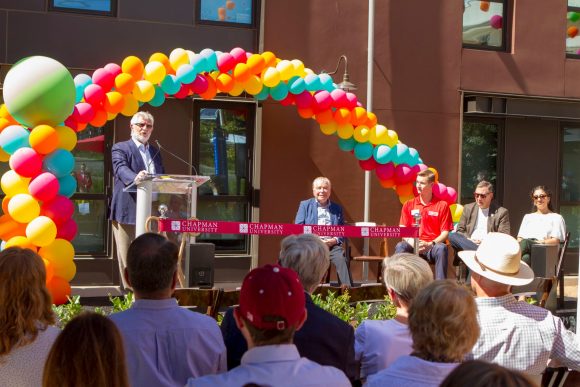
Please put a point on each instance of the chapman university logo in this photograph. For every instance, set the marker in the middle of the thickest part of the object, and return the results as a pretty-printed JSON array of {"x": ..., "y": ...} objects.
[
  {"x": 307, "y": 229},
  {"x": 175, "y": 225},
  {"x": 243, "y": 228},
  {"x": 364, "y": 231}
]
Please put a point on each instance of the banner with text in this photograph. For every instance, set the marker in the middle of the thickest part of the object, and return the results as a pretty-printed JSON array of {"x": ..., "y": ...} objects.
[{"x": 283, "y": 229}]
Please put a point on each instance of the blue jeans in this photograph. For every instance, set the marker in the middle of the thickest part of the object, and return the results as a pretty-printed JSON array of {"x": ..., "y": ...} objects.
[{"x": 437, "y": 255}]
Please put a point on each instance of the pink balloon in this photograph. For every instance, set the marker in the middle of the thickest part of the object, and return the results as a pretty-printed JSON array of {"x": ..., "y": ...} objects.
[
  {"x": 403, "y": 174},
  {"x": 239, "y": 54},
  {"x": 199, "y": 85},
  {"x": 385, "y": 171},
  {"x": 104, "y": 78},
  {"x": 304, "y": 99},
  {"x": 60, "y": 209},
  {"x": 226, "y": 62},
  {"x": 351, "y": 101},
  {"x": 419, "y": 168},
  {"x": 339, "y": 98},
  {"x": 113, "y": 68},
  {"x": 94, "y": 94},
  {"x": 451, "y": 195},
  {"x": 83, "y": 112},
  {"x": 44, "y": 187},
  {"x": 322, "y": 101},
  {"x": 440, "y": 191},
  {"x": 496, "y": 21},
  {"x": 26, "y": 162},
  {"x": 67, "y": 230},
  {"x": 368, "y": 165}
]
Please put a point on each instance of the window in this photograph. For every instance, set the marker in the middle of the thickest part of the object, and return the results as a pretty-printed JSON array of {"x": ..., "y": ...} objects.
[
  {"x": 226, "y": 12},
  {"x": 485, "y": 24},
  {"x": 96, "y": 7},
  {"x": 570, "y": 183},
  {"x": 224, "y": 150},
  {"x": 572, "y": 28},
  {"x": 479, "y": 156}
]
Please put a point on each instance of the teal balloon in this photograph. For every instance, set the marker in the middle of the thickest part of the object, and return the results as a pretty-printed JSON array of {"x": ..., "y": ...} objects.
[
  {"x": 401, "y": 154},
  {"x": 170, "y": 84},
  {"x": 67, "y": 185},
  {"x": 199, "y": 64},
  {"x": 383, "y": 154},
  {"x": 39, "y": 90},
  {"x": 326, "y": 82},
  {"x": 346, "y": 145},
  {"x": 279, "y": 92},
  {"x": 296, "y": 85},
  {"x": 413, "y": 158},
  {"x": 13, "y": 138},
  {"x": 210, "y": 57},
  {"x": 363, "y": 150},
  {"x": 60, "y": 163},
  {"x": 186, "y": 73},
  {"x": 263, "y": 94},
  {"x": 158, "y": 98},
  {"x": 312, "y": 82},
  {"x": 81, "y": 82},
  {"x": 573, "y": 16}
]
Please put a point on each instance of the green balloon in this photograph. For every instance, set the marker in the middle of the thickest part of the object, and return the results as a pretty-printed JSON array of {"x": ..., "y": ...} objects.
[
  {"x": 39, "y": 90},
  {"x": 573, "y": 16}
]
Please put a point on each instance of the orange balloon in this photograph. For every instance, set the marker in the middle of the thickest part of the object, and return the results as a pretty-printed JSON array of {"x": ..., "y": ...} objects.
[
  {"x": 436, "y": 174},
  {"x": 324, "y": 117},
  {"x": 43, "y": 139},
  {"x": 389, "y": 183},
  {"x": 225, "y": 82},
  {"x": 358, "y": 116},
  {"x": 5, "y": 204},
  {"x": 256, "y": 63},
  {"x": 133, "y": 65},
  {"x": 10, "y": 228},
  {"x": 59, "y": 290},
  {"x": 49, "y": 270},
  {"x": 371, "y": 119},
  {"x": 211, "y": 88},
  {"x": 572, "y": 31},
  {"x": 4, "y": 123},
  {"x": 305, "y": 112},
  {"x": 342, "y": 116},
  {"x": 269, "y": 58},
  {"x": 405, "y": 189},
  {"x": 484, "y": 6},
  {"x": 100, "y": 118},
  {"x": 242, "y": 72},
  {"x": 124, "y": 83},
  {"x": 114, "y": 102}
]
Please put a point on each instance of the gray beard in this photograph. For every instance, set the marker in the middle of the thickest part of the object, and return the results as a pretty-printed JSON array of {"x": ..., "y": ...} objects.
[{"x": 138, "y": 137}]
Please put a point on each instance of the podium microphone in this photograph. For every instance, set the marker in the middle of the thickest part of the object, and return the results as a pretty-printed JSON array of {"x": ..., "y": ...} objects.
[
  {"x": 416, "y": 214},
  {"x": 176, "y": 156}
]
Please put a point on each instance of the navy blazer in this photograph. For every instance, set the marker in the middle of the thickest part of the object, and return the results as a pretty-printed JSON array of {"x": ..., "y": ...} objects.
[
  {"x": 308, "y": 214},
  {"x": 127, "y": 163},
  {"x": 324, "y": 339}
]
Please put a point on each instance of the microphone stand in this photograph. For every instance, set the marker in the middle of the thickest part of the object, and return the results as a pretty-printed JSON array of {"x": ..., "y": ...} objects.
[{"x": 417, "y": 217}]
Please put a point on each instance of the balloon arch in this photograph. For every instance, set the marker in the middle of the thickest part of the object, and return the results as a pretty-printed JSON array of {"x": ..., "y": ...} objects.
[{"x": 45, "y": 108}]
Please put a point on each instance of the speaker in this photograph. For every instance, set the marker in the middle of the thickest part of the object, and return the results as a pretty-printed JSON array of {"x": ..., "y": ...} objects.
[
  {"x": 201, "y": 265},
  {"x": 544, "y": 260}
]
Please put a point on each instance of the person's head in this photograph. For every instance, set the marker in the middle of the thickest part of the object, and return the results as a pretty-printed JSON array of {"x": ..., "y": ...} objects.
[
  {"x": 443, "y": 322},
  {"x": 272, "y": 306},
  {"x": 26, "y": 303},
  {"x": 152, "y": 266},
  {"x": 321, "y": 189},
  {"x": 142, "y": 126},
  {"x": 496, "y": 265},
  {"x": 308, "y": 256},
  {"x": 541, "y": 199},
  {"x": 424, "y": 182},
  {"x": 483, "y": 194},
  {"x": 405, "y": 275},
  {"x": 89, "y": 348},
  {"x": 477, "y": 373},
  {"x": 83, "y": 167}
]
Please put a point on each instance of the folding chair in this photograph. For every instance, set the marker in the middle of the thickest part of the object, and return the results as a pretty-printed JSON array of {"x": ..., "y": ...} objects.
[{"x": 560, "y": 271}]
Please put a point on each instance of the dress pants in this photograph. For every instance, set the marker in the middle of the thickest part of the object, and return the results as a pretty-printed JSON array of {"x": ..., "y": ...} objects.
[
  {"x": 124, "y": 235},
  {"x": 338, "y": 259},
  {"x": 437, "y": 255},
  {"x": 460, "y": 243}
]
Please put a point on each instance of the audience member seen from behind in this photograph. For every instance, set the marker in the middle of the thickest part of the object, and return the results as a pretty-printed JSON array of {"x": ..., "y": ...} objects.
[
  {"x": 164, "y": 343},
  {"x": 324, "y": 338},
  {"x": 272, "y": 308},
  {"x": 514, "y": 334},
  {"x": 380, "y": 342},
  {"x": 542, "y": 226},
  {"x": 475, "y": 373},
  {"x": 26, "y": 318},
  {"x": 444, "y": 328},
  {"x": 88, "y": 352}
]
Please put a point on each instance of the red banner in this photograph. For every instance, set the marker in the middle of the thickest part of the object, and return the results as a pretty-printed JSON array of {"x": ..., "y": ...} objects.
[{"x": 282, "y": 229}]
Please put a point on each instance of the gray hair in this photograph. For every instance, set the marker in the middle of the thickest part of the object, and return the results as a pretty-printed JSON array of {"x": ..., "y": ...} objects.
[
  {"x": 321, "y": 179},
  {"x": 485, "y": 184},
  {"x": 143, "y": 115},
  {"x": 308, "y": 256},
  {"x": 406, "y": 274}
]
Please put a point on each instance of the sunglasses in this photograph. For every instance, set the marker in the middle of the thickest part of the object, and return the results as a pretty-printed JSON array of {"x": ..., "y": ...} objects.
[
  {"x": 143, "y": 125},
  {"x": 478, "y": 195},
  {"x": 542, "y": 196}
]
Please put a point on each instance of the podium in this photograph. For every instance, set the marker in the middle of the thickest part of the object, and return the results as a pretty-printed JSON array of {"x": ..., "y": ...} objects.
[{"x": 171, "y": 196}]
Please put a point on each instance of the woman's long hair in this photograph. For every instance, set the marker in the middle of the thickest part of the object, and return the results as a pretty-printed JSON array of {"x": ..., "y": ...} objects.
[
  {"x": 547, "y": 191},
  {"x": 26, "y": 304}
]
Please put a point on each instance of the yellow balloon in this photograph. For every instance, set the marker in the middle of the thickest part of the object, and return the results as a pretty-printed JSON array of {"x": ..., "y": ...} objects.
[
  {"x": 392, "y": 138},
  {"x": 23, "y": 208},
  {"x": 237, "y": 89},
  {"x": 253, "y": 85},
  {"x": 178, "y": 57},
  {"x": 329, "y": 128},
  {"x": 345, "y": 131},
  {"x": 286, "y": 69},
  {"x": 60, "y": 252},
  {"x": 66, "y": 272},
  {"x": 379, "y": 135},
  {"x": 67, "y": 138},
  {"x": 435, "y": 173},
  {"x": 154, "y": 72},
  {"x": 144, "y": 91},
  {"x": 362, "y": 133},
  {"x": 298, "y": 67},
  {"x": 270, "y": 77},
  {"x": 4, "y": 157},
  {"x": 405, "y": 199},
  {"x": 20, "y": 241},
  {"x": 130, "y": 107},
  {"x": 41, "y": 231},
  {"x": 456, "y": 211},
  {"x": 13, "y": 184}
]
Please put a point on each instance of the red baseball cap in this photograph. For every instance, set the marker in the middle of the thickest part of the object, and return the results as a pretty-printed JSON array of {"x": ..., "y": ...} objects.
[{"x": 272, "y": 297}]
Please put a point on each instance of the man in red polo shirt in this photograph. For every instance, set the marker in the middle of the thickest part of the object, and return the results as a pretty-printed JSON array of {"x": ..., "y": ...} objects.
[{"x": 435, "y": 224}]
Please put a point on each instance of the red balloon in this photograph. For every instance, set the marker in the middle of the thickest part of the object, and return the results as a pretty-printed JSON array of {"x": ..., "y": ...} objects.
[
  {"x": 199, "y": 85},
  {"x": 289, "y": 100},
  {"x": 104, "y": 78},
  {"x": 368, "y": 165},
  {"x": 304, "y": 99},
  {"x": 226, "y": 62},
  {"x": 60, "y": 209},
  {"x": 385, "y": 171},
  {"x": 83, "y": 112},
  {"x": 67, "y": 230},
  {"x": 59, "y": 290},
  {"x": 26, "y": 162}
]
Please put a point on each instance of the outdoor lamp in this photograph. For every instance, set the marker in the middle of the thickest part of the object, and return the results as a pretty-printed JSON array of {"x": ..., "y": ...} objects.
[{"x": 345, "y": 85}]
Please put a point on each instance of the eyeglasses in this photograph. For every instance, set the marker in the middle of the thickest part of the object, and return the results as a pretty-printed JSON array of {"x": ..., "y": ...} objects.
[
  {"x": 542, "y": 196},
  {"x": 143, "y": 125},
  {"x": 478, "y": 195}
]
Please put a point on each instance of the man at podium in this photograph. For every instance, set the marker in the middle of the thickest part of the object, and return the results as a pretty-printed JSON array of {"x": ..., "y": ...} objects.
[{"x": 132, "y": 161}]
